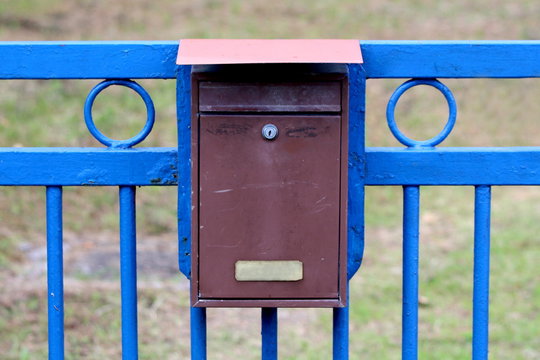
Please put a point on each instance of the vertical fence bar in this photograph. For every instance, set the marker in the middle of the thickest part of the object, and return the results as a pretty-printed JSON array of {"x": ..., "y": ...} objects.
[
  {"x": 128, "y": 272},
  {"x": 355, "y": 203},
  {"x": 198, "y": 333},
  {"x": 482, "y": 209},
  {"x": 55, "y": 277},
  {"x": 356, "y": 169},
  {"x": 340, "y": 334},
  {"x": 411, "y": 210},
  {"x": 183, "y": 110},
  {"x": 269, "y": 333}
]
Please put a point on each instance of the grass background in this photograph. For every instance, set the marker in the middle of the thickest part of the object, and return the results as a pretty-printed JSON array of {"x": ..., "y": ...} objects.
[{"x": 490, "y": 113}]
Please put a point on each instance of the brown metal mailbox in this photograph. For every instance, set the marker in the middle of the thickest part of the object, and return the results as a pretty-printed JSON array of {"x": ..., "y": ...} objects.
[{"x": 269, "y": 150}]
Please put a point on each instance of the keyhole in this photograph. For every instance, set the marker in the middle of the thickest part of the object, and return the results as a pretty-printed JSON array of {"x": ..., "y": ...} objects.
[{"x": 269, "y": 131}]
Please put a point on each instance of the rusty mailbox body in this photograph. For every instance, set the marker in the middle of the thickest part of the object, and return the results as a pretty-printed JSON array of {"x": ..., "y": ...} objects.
[{"x": 269, "y": 213}]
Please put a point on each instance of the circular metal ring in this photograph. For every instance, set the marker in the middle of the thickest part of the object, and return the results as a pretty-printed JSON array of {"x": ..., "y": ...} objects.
[
  {"x": 150, "y": 114},
  {"x": 437, "y": 139}
]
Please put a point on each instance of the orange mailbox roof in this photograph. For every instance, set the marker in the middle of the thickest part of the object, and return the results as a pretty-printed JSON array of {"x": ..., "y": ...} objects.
[{"x": 252, "y": 51}]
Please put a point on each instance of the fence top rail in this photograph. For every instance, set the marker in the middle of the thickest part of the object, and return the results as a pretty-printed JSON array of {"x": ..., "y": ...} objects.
[{"x": 156, "y": 59}]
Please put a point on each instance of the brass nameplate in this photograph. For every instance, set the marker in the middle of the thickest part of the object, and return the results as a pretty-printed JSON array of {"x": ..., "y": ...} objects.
[{"x": 268, "y": 270}]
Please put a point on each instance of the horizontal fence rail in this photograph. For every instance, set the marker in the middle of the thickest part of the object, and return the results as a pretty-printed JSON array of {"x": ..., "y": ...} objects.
[
  {"x": 382, "y": 59},
  {"x": 419, "y": 163},
  {"x": 158, "y": 166},
  {"x": 88, "y": 166},
  {"x": 453, "y": 166}
]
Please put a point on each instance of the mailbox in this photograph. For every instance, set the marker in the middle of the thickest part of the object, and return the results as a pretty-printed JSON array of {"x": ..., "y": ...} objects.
[{"x": 269, "y": 150}]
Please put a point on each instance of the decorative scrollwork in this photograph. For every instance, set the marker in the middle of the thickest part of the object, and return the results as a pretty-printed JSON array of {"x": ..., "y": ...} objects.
[
  {"x": 127, "y": 143},
  {"x": 437, "y": 139}
]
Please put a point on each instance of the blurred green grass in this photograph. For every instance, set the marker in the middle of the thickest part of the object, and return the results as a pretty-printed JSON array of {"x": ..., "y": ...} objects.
[{"x": 490, "y": 113}]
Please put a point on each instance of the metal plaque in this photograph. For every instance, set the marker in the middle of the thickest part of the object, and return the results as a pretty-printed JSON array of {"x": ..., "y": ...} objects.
[{"x": 268, "y": 270}]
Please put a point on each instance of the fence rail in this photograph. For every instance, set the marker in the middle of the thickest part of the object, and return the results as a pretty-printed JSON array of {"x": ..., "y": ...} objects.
[
  {"x": 418, "y": 164},
  {"x": 382, "y": 59}
]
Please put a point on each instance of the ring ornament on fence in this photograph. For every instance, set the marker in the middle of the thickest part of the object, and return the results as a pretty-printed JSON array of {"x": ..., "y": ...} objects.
[
  {"x": 437, "y": 139},
  {"x": 127, "y": 143}
]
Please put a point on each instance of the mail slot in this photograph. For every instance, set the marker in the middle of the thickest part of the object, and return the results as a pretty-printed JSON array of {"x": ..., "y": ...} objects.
[{"x": 269, "y": 152}]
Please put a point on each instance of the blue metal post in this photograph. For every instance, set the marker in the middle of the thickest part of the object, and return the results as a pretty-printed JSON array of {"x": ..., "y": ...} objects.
[
  {"x": 269, "y": 332},
  {"x": 411, "y": 210},
  {"x": 198, "y": 333},
  {"x": 340, "y": 334},
  {"x": 128, "y": 272},
  {"x": 356, "y": 168},
  {"x": 355, "y": 205},
  {"x": 482, "y": 203},
  {"x": 55, "y": 280},
  {"x": 183, "y": 113}
]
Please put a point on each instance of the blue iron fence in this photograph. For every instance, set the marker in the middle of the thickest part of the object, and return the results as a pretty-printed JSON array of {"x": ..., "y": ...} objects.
[{"x": 419, "y": 164}]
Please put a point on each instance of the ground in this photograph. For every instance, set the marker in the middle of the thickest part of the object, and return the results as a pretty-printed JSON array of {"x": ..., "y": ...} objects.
[{"x": 49, "y": 113}]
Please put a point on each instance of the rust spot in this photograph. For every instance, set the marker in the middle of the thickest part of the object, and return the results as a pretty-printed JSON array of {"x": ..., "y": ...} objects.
[
  {"x": 302, "y": 132},
  {"x": 229, "y": 129}
]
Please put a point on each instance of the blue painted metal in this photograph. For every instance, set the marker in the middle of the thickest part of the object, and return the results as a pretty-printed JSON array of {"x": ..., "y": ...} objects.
[
  {"x": 88, "y": 60},
  {"x": 88, "y": 166},
  {"x": 183, "y": 113},
  {"x": 340, "y": 332},
  {"x": 356, "y": 169},
  {"x": 411, "y": 210},
  {"x": 198, "y": 333},
  {"x": 355, "y": 201},
  {"x": 453, "y": 166},
  {"x": 158, "y": 166},
  {"x": 482, "y": 204},
  {"x": 421, "y": 164},
  {"x": 55, "y": 273},
  {"x": 451, "y": 59},
  {"x": 437, "y": 139},
  {"x": 128, "y": 272},
  {"x": 150, "y": 114},
  {"x": 269, "y": 333},
  {"x": 156, "y": 59}
]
